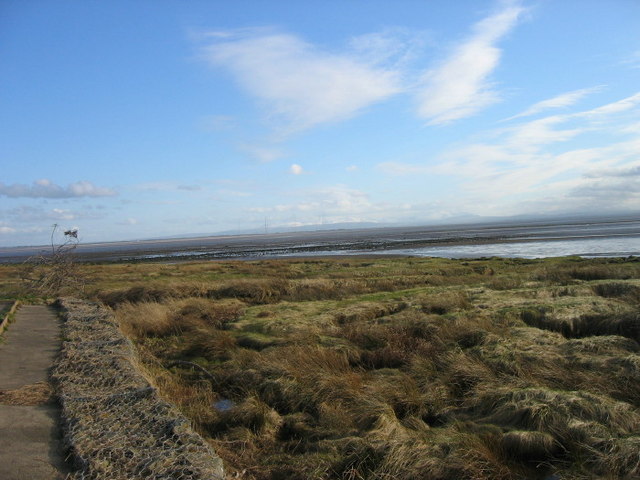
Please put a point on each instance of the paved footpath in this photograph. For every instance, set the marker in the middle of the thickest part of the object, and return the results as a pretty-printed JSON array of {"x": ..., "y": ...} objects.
[{"x": 30, "y": 438}]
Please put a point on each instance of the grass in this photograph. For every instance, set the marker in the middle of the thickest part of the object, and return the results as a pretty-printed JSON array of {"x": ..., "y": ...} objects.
[{"x": 392, "y": 368}]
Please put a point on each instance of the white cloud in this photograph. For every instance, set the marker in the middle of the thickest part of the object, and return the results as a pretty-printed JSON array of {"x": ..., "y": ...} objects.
[
  {"x": 459, "y": 86},
  {"x": 299, "y": 84},
  {"x": 544, "y": 131},
  {"x": 517, "y": 167},
  {"x": 352, "y": 168},
  {"x": 296, "y": 169},
  {"x": 620, "y": 106},
  {"x": 46, "y": 189},
  {"x": 559, "y": 101},
  {"x": 392, "y": 46}
]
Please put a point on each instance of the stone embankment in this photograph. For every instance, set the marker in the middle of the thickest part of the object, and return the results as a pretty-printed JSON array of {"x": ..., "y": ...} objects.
[{"x": 115, "y": 424}]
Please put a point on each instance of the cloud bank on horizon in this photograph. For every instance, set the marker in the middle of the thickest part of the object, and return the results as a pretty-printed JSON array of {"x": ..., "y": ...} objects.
[{"x": 401, "y": 115}]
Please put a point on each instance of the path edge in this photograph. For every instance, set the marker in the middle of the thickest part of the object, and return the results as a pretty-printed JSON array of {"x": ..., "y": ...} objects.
[{"x": 8, "y": 317}]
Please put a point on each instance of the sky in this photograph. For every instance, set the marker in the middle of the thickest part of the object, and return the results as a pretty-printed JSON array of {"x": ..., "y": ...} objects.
[{"x": 142, "y": 119}]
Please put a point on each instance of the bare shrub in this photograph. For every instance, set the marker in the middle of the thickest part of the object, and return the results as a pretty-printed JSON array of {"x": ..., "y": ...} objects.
[{"x": 55, "y": 272}]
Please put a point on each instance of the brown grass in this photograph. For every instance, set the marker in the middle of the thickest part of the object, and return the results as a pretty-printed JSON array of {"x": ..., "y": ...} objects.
[
  {"x": 395, "y": 368},
  {"x": 30, "y": 395}
]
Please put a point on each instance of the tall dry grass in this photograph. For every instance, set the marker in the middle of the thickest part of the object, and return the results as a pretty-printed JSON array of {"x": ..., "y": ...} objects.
[{"x": 401, "y": 369}]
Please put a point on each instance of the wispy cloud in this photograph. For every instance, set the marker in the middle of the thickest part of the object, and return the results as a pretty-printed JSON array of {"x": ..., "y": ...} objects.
[
  {"x": 521, "y": 165},
  {"x": 300, "y": 84},
  {"x": 560, "y": 101},
  {"x": 47, "y": 189},
  {"x": 620, "y": 106},
  {"x": 459, "y": 87},
  {"x": 296, "y": 169},
  {"x": 28, "y": 214}
]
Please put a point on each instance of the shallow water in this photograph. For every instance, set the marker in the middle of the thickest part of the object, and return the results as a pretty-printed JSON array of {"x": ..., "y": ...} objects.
[{"x": 591, "y": 247}]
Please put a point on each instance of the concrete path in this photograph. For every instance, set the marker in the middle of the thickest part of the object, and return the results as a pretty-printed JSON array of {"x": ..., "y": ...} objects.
[{"x": 30, "y": 437}]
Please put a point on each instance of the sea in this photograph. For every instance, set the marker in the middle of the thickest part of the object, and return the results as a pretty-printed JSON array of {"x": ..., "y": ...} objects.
[{"x": 583, "y": 247}]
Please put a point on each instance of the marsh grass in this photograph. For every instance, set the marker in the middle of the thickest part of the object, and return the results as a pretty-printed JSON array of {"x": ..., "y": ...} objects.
[
  {"x": 394, "y": 368},
  {"x": 403, "y": 369}
]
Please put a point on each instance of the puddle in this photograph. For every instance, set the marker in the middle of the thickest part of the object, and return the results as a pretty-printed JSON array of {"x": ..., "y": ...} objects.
[{"x": 223, "y": 405}]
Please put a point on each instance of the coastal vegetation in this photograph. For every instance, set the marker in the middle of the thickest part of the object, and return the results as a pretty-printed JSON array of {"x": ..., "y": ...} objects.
[{"x": 403, "y": 368}]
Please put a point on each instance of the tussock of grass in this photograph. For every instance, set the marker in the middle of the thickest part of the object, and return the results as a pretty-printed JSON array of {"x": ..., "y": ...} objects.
[
  {"x": 397, "y": 368},
  {"x": 210, "y": 313},
  {"x": 530, "y": 446},
  {"x": 444, "y": 302},
  {"x": 146, "y": 320},
  {"x": 626, "y": 291}
]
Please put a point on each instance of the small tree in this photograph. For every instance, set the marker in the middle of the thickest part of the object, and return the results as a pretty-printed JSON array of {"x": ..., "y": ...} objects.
[{"x": 49, "y": 273}]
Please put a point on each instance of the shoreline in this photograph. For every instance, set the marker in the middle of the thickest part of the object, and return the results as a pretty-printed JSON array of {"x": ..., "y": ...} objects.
[{"x": 404, "y": 241}]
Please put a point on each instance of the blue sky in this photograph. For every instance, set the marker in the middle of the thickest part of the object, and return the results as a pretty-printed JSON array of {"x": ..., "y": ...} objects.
[{"x": 141, "y": 119}]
